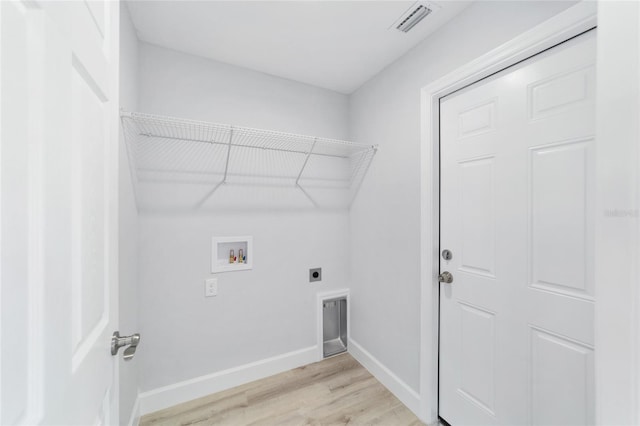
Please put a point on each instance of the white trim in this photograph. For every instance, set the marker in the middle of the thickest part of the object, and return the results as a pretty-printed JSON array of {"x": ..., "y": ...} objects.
[
  {"x": 561, "y": 27},
  {"x": 1, "y": 269},
  {"x": 617, "y": 238},
  {"x": 36, "y": 231},
  {"x": 321, "y": 297},
  {"x": 134, "y": 418},
  {"x": 400, "y": 389},
  {"x": 112, "y": 198},
  {"x": 177, "y": 393}
]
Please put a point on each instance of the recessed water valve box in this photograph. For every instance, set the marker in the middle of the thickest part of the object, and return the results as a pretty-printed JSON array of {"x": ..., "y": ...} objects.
[
  {"x": 231, "y": 254},
  {"x": 315, "y": 274}
]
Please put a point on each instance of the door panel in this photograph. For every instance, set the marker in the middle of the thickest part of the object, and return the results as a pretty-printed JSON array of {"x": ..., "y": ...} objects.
[
  {"x": 88, "y": 295},
  {"x": 561, "y": 377},
  {"x": 558, "y": 185},
  {"x": 477, "y": 356},
  {"x": 58, "y": 207},
  {"x": 17, "y": 335},
  {"x": 477, "y": 216},
  {"x": 517, "y": 180}
]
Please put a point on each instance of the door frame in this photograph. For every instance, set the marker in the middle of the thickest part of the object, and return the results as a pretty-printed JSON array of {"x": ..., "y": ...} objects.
[{"x": 570, "y": 23}]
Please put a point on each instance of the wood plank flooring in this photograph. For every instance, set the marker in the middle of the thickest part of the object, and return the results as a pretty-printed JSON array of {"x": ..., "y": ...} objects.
[{"x": 335, "y": 391}]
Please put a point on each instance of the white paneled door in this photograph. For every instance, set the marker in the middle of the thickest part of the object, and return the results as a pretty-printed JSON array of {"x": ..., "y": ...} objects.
[
  {"x": 58, "y": 205},
  {"x": 517, "y": 214}
]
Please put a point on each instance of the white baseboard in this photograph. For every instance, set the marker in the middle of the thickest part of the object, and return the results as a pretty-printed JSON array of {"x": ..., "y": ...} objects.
[
  {"x": 180, "y": 392},
  {"x": 134, "y": 419},
  {"x": 400, "y": 389}
]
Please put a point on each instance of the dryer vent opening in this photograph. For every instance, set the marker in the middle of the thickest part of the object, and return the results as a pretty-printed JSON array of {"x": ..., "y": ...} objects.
[{"x": 334, "y": 326}]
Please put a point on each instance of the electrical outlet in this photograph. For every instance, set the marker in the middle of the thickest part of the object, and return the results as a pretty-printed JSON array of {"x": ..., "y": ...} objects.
[
  {"x": 211, "y": 287},
  {"x": 315, "y": 274}
]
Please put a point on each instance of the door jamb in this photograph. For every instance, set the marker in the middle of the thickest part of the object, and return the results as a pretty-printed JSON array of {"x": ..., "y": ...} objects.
[
  {"x": 617, "y": 236},
  {"x": 573, "y": 21}
]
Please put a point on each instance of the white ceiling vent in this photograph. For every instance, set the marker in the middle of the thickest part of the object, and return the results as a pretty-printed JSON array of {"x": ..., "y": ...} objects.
[{"x": 416, "y": 13}]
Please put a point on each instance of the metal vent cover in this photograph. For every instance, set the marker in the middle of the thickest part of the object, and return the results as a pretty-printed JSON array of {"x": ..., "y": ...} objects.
[{"x": 416, "y": 13}]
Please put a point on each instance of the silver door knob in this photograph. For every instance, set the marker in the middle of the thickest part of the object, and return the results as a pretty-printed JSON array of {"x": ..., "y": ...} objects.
[
  {"x": 445, "y": 277},
  {"x": 118, "y": 342}
]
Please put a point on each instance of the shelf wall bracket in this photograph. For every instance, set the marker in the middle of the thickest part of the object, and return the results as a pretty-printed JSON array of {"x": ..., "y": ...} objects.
[
  {"x": 306, "y": 160},
  {"x": 209, "y": 194},
  {"x": 306, "y": 194},
  {"x": 224, "y": 179},
  {"x": 226, "y": 166}
]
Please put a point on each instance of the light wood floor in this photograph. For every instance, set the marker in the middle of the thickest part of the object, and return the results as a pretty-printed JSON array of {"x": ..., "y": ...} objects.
[{"x": 335, "y": 391}]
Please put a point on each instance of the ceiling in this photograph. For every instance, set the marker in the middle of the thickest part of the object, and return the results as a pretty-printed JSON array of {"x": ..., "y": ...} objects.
[{"x": 337, "y": 45}]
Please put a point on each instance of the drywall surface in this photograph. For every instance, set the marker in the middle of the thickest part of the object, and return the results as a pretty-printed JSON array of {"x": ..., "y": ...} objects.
[
  {"x": 128, "y": 219},
  {"x": 178, "y": 84},
  {"x": 260, "y": 313},
  {"x": 186, "y": 86},
  {"x": 384, "y": 219}
]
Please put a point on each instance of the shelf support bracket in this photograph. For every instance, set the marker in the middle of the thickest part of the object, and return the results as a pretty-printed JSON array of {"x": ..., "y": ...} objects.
[
  {"x": 226, "y": 166},
  {"x": 309, "y": 197},
  {"x": 209, "y": 194},
  {"x": 224, "y": 179},
  {"x": 306, "y": 160},
  {"x": 302, "y": 170}
]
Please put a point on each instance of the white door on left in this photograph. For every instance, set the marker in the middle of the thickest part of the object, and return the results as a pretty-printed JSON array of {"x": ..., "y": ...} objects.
[{"x": 58, "y": 210}]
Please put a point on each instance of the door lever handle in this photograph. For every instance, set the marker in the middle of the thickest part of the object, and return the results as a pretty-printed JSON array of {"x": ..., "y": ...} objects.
[
  {"x": 118, "y": 342},
  {"x": 445, "y": 277}
]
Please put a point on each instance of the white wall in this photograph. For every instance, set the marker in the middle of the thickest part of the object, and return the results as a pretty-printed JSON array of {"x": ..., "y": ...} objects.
[
  {"x": 173, "y": 83},
  {"x": 128, "y": 240},
  {"x": 385, "y": 242},
  {"x": 269, "y": 311},
  {"x": 261, "y": 313}
]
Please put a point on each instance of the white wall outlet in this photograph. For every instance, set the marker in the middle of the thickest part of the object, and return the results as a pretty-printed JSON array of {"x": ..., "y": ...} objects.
[{"x": 211, "y": 287}]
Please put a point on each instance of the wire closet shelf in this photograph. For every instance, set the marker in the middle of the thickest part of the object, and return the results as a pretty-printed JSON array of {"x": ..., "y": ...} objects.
[{"x": 173, "y": 150}]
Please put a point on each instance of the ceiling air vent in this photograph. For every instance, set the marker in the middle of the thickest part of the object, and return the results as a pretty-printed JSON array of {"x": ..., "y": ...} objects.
[{"x": 411, "y": 17}]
